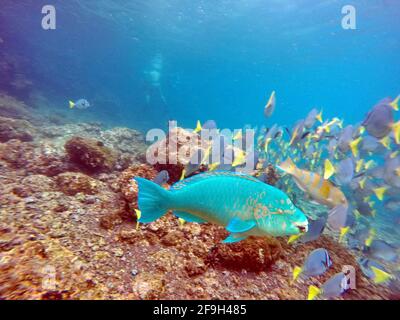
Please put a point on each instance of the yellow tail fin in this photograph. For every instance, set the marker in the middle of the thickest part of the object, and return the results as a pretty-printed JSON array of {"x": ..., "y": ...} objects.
[
  {"x": 138, "y": 215},
  {"x": 319, "y": 116},
  {"x": 354, "y": 146},
  {"x": 293, "y": 238},
  {"x": 296, "y": 272},
  {"x": 396, "y": 132},
  {"x": 183, "y": 174},
  {"x": 198, "y": 127},
  {"x": 329, "y": 169},
  {"x": 380, "y": 276},
  {"x": 313, "y": 291},
  {"x": 370, "y": 238},
  {"x": 71, "y": 104},
  {"x": 380, "y": 192},
  {"x": 213, "y": 166},
  {"x": 385, "y": 142},
  {"x": 395, "y": 103},
  {"x": 343, "y": 232}
]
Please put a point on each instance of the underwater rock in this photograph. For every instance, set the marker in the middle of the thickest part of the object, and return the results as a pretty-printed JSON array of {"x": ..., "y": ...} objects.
[
  {"x": 252, "y": 254},
  {"x": 185, "y": 145},
  {"x": 124, "y": 140},
  {"x": 148, "y": 286},
  {"x": 33, "y": 159},
  {"x": 91, "y": 154},
  {"x": 13, "y": 108},
  {"x": 32, "y": 184},
  {"x": 15, "y": 129},
  {"x": 128, "y": 187},
  {"x": 72, "y": 183},
  {"x": 14, "y": 152}
]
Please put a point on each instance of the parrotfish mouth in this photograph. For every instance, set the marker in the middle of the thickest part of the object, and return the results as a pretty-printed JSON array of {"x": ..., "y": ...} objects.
[{"x": 302, "y": 226}]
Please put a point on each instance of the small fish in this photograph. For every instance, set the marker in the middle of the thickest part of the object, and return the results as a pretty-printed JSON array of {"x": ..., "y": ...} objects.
[
  {"x": 337, "y": 217},
  {"x": 317, "y": 263},
  {"x": 380, "y": 120},
  {"x": 345, "y": 138},
  {"x": 241, "y": 203},
  {"x": 332, "y": 288},
  {"x": 315, "y": 229},
  {"x": 380, "y": 249},
  {"x": 209, "y": 125},
  {"x": 345, "y": 171},
  {"x": 373, "y": 270},
  {"x": 161, "y": 178},
  {"x": 270, "y": 106},
  {"x": 79, "y": 104},
  {"x": 321, "y": 190},
  {"x": 312, "y": 117},
  {"x": 370, "y": 144}
]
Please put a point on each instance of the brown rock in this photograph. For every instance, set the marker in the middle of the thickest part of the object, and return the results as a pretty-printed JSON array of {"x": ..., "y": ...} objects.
[
  {"x": 172, "y": 238},
  {"x": 72, "y": 183},
  {"x": 195, "y": 267},
  {"x": 15, "y": 129},
  {"x": 252, "y": 254},
  {"x": 90, "y": 154},
  {"x": 148, "y": 286},
  {"x": 173, "y": 159}
]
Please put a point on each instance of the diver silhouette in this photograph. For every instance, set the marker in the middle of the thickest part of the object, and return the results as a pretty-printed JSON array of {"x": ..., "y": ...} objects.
[{"x": 154, "y": 97}]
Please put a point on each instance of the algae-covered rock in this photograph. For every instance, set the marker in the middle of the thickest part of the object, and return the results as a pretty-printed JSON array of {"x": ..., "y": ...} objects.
[
  {"x": 72, "y": 183},
  {"x": 175, "y": 151},
  {"x": 91, "y": 154},
  {"x": 13, "y": 108},
  {"x": 252, "y": 254},
  {"x": 15, "y": 129}
]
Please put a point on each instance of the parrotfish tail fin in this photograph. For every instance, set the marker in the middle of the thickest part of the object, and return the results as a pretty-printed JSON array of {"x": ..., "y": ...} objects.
[
  {"x": 313, "y": 291},
  {"x": 153, "y": 200},
  {"x": 287, "y": 166},
  {"x": 71, "y": 104}
]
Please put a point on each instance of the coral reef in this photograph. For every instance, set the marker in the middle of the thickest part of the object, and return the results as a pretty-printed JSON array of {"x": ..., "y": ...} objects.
[
  {"x": 68, "y": 230},
  {"x": 184, "y": 145},
  {"x": 15, "y": 129},
  {"x": 13, "y": 108},
  {"x": 90, "y": 154}
]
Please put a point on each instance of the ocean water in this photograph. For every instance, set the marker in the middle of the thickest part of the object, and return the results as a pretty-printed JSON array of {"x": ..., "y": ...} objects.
[
  {"x": 142, "y": 63},
  {"x": 218, "y": 60}
]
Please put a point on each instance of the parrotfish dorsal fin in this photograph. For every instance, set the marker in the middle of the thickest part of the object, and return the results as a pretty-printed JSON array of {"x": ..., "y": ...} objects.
[{"x": 219, "y": 173}]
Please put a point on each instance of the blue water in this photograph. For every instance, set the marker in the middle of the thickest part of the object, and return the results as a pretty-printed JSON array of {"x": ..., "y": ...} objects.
[{"x": 220, "y": 59}]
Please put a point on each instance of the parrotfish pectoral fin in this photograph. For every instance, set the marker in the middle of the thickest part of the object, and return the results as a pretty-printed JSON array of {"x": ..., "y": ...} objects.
[
  {"x": 238, "y": 225},
  {"x": 71, "y": 104},
  {"x": 153, "y": 200},
  {"x": 232, "y": 238},
  {"x": 188, "y": 217}
]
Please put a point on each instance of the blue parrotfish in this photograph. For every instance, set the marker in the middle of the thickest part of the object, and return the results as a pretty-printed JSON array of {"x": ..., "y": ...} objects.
[{"x": 244, "y": 205}]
